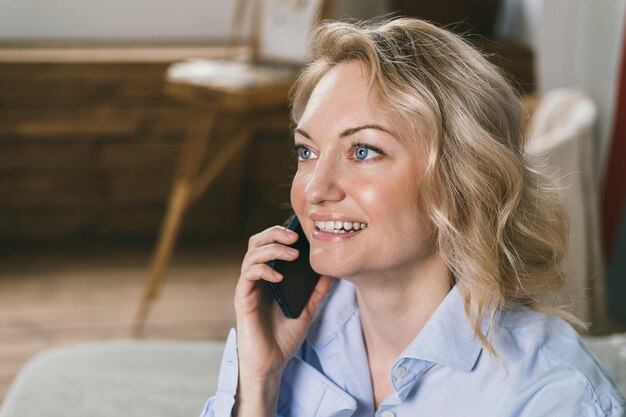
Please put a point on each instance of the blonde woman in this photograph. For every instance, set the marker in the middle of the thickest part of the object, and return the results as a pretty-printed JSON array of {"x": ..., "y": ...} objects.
[{"x": 431, "y": 305}]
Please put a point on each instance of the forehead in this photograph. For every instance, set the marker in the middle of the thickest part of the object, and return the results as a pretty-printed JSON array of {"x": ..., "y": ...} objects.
[{"x": 342, "y": 96}]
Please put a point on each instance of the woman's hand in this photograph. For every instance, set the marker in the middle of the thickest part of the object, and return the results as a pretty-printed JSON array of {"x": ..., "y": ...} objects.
[{"x": 266, "y": 339}]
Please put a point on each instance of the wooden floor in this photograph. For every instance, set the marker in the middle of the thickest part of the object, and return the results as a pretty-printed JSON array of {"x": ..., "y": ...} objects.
[{"x": 70, "y": 296}]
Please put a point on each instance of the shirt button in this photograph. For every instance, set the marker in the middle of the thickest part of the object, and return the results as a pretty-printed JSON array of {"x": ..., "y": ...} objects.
[
  {"x": 388, "y": 413},
  {"x": 399, "y": 372}
]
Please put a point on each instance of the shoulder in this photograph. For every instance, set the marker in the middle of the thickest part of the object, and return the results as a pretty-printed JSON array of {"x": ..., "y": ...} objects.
[{"x": 552, "y": 371}]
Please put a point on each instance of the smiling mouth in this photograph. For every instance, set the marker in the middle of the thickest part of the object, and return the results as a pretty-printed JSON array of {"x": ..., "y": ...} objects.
[{"x": 337, "y": 227}]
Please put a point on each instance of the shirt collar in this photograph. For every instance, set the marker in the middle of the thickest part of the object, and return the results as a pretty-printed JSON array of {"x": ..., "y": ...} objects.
[{"x": 447, "y": 337}]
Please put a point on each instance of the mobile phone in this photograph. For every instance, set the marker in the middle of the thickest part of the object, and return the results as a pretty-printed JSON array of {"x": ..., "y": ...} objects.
[{"x": 299, "y": 279}]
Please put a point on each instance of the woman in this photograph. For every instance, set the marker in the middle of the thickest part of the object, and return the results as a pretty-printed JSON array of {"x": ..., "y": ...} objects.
[{"x": 414, "y": 194}]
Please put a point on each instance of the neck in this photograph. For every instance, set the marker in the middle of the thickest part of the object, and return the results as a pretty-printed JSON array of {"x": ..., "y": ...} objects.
[{"x": 393, "y": 309}]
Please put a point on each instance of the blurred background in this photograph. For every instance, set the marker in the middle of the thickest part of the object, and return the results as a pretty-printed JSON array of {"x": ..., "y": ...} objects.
[{"x": 92, "y": 126}]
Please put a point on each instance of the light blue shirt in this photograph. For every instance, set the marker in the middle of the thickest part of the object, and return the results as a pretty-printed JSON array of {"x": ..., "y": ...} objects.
[{"x": 444, "y": 372}]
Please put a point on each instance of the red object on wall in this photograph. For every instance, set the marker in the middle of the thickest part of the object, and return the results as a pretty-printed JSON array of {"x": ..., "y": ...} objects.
[{"x": 614, "y": 195}]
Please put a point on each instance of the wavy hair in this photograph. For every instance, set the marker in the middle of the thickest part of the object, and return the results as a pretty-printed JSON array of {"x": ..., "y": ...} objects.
[{"x": 499, "y": 225}]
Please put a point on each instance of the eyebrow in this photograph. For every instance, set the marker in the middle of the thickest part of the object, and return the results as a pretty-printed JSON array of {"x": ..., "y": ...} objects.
[{"x": 350, "y": 131}]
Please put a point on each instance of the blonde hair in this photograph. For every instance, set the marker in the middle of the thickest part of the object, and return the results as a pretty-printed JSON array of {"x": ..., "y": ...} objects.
[{"x": 499, "y": 226}]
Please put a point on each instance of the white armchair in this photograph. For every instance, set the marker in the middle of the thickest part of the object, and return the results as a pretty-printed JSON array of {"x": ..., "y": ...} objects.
[{"x": 561, "y": 134}]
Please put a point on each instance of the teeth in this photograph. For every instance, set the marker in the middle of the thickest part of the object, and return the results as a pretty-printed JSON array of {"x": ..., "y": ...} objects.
[{"x": 339, "y": 227}]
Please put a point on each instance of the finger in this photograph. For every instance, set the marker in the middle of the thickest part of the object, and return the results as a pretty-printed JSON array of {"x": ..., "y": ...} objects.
[
  {"x": 269, "y": 252},
  {"x": 273, "y": 234},
  {"x": 319, "y": 292},
  {"x": 249, "y": 277},
  {"x": 261, "y": 271}
]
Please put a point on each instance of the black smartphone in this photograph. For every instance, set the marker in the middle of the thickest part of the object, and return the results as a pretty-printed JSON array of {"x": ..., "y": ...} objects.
[{"x": 299, "y": 279}]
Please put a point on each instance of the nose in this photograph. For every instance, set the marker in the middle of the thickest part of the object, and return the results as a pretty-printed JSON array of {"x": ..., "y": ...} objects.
[{"x": 324, "y": 183}]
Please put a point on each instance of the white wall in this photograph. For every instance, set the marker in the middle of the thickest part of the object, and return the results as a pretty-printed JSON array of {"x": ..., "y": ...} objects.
[
  {"x": 135, "y": 20},
  {"x": 114, "y": 19}
]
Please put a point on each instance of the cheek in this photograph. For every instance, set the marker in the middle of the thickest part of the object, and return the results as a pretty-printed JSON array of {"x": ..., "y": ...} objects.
[
  {"x": 385, "y": 199},
  {"x": 297, "y": 194},
  {"x": 370, "y": 194},
  {"x": 396, "y": 206}
]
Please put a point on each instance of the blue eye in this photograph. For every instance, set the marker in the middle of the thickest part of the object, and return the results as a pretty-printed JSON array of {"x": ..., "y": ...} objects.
[
  {"x": 303, "y": 152},
  {"x": 364, "y": 152},
  {"x": 361, "y": 152}
]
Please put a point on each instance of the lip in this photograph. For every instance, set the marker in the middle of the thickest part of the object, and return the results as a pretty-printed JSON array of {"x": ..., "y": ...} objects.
[{"x": 320, "y": 217}]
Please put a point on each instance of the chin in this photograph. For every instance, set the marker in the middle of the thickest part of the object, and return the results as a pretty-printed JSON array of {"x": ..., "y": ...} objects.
[{"x": 332, "y": 268}]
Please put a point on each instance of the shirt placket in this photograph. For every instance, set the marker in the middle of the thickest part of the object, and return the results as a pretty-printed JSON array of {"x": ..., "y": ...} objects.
[{"x": 404, "y": 375}]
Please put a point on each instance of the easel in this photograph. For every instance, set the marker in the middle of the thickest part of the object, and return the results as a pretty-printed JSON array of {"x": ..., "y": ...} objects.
[{"x": 214, "y": 101}]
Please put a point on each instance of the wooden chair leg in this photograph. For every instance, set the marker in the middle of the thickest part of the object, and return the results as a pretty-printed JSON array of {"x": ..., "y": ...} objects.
[
  {"x": 162, "y": 254},
  {"x": 219, "y": 162},
  {"x": 190, "y": 163}
]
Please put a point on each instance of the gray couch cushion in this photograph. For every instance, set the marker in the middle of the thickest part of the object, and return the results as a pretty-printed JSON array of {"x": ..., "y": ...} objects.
[
  {"x": 157, "y": 379},
  {"x": 611, "y": 351},
  {"x": 122, "y": 378}
]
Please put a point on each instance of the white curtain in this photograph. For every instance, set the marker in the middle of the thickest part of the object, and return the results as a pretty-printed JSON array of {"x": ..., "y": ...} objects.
[
  {"x": 560, "y": 140},
  {"x": 577, "y": 43}
]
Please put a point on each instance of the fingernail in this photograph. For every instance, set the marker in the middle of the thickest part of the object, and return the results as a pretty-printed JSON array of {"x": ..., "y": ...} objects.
[
  {"x": 278, "y": 275},
  {"x": 292, "y": 251}
]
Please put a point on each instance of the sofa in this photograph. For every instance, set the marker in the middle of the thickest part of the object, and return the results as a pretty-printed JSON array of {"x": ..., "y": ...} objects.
[{"x": 157, "y": 379}]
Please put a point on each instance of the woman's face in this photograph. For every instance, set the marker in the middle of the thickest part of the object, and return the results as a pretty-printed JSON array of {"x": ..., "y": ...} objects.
[{"x": 356, "y": 188}]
